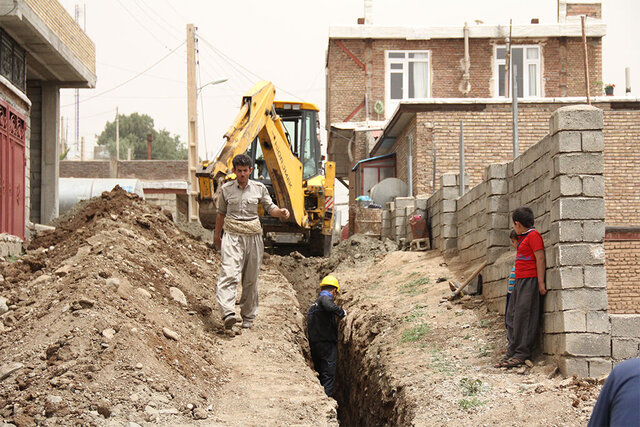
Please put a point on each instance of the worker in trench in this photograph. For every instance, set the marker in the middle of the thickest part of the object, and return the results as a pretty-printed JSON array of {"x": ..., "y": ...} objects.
[
  {"x": 241, "y": 246},
  {"x": 322, "y": 328}
]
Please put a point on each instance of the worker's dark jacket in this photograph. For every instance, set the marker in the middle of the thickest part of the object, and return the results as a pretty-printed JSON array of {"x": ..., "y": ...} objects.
[{"x": 322, "y": 324}]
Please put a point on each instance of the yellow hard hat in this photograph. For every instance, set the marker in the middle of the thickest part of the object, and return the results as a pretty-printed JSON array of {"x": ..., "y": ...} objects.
[{"x": 330, "y": 281}]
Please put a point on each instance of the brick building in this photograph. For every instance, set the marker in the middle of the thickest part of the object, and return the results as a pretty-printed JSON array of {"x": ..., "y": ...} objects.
[
  {"x": 422, "y": 82},
  {"x": 42, "y": 49}
]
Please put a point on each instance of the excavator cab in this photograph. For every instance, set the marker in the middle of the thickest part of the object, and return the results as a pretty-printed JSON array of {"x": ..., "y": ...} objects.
[{"x": 300, "y": 122}]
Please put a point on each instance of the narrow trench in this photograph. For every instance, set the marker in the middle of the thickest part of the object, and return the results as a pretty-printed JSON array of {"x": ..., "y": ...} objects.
[{"x": 363, "y": 390}]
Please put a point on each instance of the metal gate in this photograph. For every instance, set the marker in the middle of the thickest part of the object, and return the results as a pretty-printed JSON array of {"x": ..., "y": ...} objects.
[{"x": 12, "y": 171}]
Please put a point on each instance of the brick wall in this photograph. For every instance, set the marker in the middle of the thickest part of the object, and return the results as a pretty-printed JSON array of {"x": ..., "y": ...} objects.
[
  {"x": 140, "y": 169},
  {"x": 55, "y": 16},
  {"x": 623, "y": 275},
  {"x": 592, "y": 10},
  {"x": 488, "y": 139},
  {"x": 561, "y": 61}
]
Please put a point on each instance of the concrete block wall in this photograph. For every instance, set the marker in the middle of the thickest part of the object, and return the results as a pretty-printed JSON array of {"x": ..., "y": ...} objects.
[
  {"x": 576, "y": 323},
  {"x": 625, "y": 339},
  {"x": 561, "y": 179}
]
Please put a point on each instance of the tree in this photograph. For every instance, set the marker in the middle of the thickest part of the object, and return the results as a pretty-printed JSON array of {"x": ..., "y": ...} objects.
[{"x": 134, "y": 129}]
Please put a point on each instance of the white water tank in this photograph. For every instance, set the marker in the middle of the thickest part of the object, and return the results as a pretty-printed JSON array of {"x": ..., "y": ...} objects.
[
  {"x": 387, "y": 190},
  {"x": 72, "y": 190}
]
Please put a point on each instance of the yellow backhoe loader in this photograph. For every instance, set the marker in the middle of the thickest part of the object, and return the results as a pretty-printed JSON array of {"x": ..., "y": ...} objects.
[{"x": 282, "y": 139}]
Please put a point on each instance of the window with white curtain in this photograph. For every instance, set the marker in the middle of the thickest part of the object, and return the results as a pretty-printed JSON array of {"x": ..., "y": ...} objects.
[
  {"x": 524, "y": 59},
  {"x": 407, "y": 76}
]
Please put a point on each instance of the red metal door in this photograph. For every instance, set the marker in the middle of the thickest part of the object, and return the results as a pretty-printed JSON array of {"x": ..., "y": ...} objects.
[{"x": 12, "y": 171}]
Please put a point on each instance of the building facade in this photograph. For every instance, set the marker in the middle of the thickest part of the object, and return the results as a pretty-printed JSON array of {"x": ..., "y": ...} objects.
[{"x": 42, "y": 49}]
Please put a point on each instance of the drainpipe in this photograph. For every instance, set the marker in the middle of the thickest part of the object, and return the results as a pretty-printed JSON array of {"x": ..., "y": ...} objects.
[
  {"x": 462, "y": 183},
  {"x": 514, "y": 107},
  {"x": 410, "y": 166},
  {"x": 465, "y": 63}
]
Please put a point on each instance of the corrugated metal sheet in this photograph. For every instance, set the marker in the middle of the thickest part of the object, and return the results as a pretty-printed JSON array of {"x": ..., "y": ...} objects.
[{"x": 12, "y": 171}]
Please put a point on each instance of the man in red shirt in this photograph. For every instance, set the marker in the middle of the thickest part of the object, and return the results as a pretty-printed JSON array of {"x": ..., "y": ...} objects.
[{"x": 523, "y": 313}]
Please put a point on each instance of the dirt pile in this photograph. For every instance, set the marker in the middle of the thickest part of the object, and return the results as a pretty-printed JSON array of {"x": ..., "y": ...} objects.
[{"x": 109, "y": 321}]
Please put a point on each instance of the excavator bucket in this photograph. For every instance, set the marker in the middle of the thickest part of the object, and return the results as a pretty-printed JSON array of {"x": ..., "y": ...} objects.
[{"x": 208, "y": 213}]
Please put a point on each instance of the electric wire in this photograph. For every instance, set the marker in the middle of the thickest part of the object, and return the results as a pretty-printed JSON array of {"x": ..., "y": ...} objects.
[
  {"x": 228, "y": 58},
  {"x": 166, "y": 26},
  {"x": 132, "y": 78},
  {"x": 143, "y": 26}
]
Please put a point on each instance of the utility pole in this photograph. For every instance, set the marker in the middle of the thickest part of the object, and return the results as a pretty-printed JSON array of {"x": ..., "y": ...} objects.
[
  {"x": 117, "y": 135},
  {"x": 192, "y": 116}
]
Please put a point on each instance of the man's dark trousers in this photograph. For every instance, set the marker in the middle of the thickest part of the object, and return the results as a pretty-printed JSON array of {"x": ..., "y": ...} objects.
[
  {"x": 523, "y": 315},
  {"x": 325, "y": 359}
]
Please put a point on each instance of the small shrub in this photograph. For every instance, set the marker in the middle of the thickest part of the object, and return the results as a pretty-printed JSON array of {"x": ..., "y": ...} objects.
[
  {"x": 414, "y": 287},
  {"x": 470, "y": 386},
  {"x": 467, "y": 404}
]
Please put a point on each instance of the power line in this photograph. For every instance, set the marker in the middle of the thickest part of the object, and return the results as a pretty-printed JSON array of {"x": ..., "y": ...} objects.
[
  {"x": 168, "y": 25},
  {"x": 142, "y": 26},
  {"x": 227, "y": 58},
  {"x": 134, "y": 77},
  {"x": 204, "y": 132}
]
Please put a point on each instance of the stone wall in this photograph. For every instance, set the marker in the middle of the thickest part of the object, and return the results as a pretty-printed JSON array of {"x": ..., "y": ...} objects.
[
  {"x": 139, "y": 169},
  {"x": 561, "y": 179}
]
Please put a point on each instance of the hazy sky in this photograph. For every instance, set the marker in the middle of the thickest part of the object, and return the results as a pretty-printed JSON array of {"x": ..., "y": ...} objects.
[{"x": 283, "y": 41}]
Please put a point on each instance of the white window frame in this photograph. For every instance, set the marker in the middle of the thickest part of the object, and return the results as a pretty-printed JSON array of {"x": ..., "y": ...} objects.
[
  {"x": 525, "y": 77},
  {"x": 391, "y": 104}
]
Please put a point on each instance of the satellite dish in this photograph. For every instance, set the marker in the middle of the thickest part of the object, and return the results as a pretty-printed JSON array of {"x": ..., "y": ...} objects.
[{"x": 387, "y": 190}]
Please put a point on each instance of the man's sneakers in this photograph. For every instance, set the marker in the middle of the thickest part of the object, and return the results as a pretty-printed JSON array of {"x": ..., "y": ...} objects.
[
  {"x": 229, "y": 320},
  {"x": 247, "y": 324}
]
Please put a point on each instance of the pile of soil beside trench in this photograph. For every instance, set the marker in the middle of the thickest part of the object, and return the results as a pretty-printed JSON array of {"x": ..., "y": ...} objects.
[{"x": 109, "y": 321}]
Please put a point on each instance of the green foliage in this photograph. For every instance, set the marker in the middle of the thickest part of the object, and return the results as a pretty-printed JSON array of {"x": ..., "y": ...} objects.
[
  {"x": 134, "y": 129},
  {"x": 467, "y": 404},
  {"x": 414, "y": 287},
  {"x": 484, "y": 350},
  {"x": 440, "y": 362},
  {"x": 416, "y": 333},
  {"x": 470, "y": 386}
]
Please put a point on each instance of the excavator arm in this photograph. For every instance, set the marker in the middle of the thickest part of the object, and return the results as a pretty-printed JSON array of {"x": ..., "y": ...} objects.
[{"x": 256, "y": 118}]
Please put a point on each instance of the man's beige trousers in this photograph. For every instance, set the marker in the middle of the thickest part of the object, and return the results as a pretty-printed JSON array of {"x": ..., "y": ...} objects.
[{"x": 241, "y": 259}]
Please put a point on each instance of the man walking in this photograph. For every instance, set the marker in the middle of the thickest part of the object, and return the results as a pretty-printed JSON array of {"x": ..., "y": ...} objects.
[{"x": 241, "y": 246}]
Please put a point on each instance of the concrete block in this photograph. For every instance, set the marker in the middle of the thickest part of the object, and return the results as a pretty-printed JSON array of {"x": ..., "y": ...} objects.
[
  {"x": 622, "y": 349},
  {"x": 576, "y": 117},
  {"x": 449, "y": 231},
  {"x": 497, "y": 238},
  {"x": 498, "y": 221},
  {"x": 593, "y": 231},
  {"x": 449, "y": 180},
  {"x": 450, "y": 193},
  {"x": 448, "y": 218},
  {"x": 565, "y": 321},
  {"x": 492, "y": 254},
  {"x": 593, "y": 185},
  {"x": 564, "y": 278},
  {"x": 592, "y": 141},
  {"x": 565, "y": 231},
  {"x": 497, "y": 186},
  {"x": 578, "y": 163},
  {"x": 595, "y": 276},
  {"x": 495, "y": 289},
  {"x": 584, "y": 344},
  {"x": 449, "y": 244},
  {"x": 576, "y": 299},
  {"x": 566, "y": 185},
  {"x": 625, "y": 325},
  {"x": 573, "y": 366},
  {"x": 404, "y": 202},
  {"x": 496, "y": 171},
  {"x": 598, "y": 322},
  {"x": 399, "y": 212},
  {"x": 580, "y": 254},
  {"x": 566, "y": 142},
  {"x": 400, "y": 221},
  {"x": 550, "y": 343},
  {"x": 599, "y": 367},
  {"x": 577, "y": 208},
  {"x": 550, "y": 254},
  {"x": 390, "y": 206},
  {"x": 421, "y": 203},
  {"x": 497, "y": 204}
]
